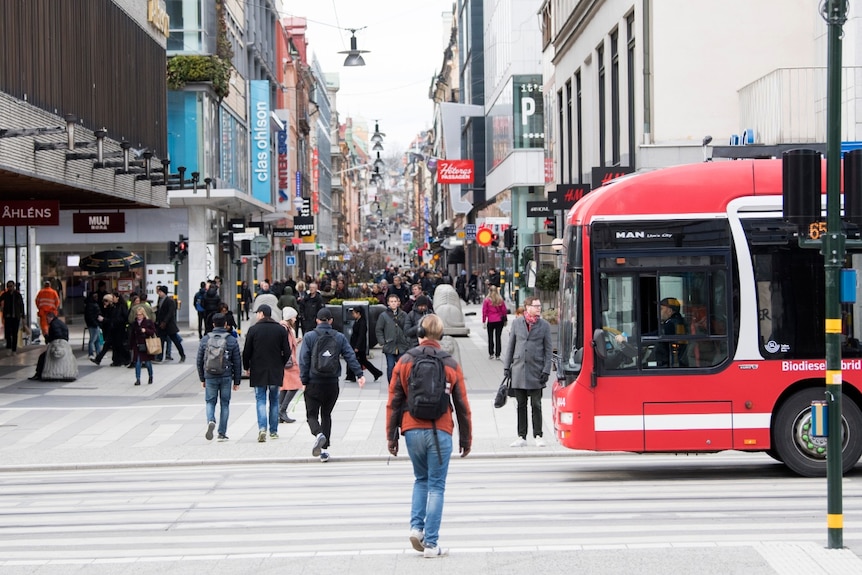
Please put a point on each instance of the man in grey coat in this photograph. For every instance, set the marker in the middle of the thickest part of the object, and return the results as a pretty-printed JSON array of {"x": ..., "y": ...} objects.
[{"x": 527, "y": 359}]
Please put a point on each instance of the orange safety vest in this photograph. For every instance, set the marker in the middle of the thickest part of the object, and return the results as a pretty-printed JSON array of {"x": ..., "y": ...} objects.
[{"x": 47, "y": 299}]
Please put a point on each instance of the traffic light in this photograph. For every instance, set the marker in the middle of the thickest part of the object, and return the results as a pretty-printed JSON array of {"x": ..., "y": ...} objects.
[
  {"x": 509, "y": 238},
  {"x": 551, "y": 226},
  {"x": 172, "y": 251},
  {"x": 182, "y": 247},
  {"x": 227, "y": 243},
  {"x": 495, "y": 240}
]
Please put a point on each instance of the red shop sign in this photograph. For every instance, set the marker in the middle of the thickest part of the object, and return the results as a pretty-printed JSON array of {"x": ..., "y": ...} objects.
[{"x": 455, "y": 172}]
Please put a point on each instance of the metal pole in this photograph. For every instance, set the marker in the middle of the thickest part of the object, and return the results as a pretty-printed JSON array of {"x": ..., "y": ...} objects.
[
  {"x": 834, "y": 250},
  {"x": 239, "y": 306}
]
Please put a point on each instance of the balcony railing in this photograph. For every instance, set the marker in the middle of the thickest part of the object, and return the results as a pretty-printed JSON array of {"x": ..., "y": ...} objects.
[{"x": 788, "y": 105}]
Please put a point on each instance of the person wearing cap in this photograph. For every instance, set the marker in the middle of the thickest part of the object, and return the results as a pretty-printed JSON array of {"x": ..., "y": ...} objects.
[
  {"x": 669, "y": 354},
  {"x": 13, "y": 312},
  {"x": 218, "y": 387},
  {"x": 264, "y": 356},
  {"x": 359, "y": 343},
  {"x": 291, "y": 382},
  {"x": 166, "y": 324},
  {"x": 321, "y": 392},
  {"x": 421, "y": 308}
]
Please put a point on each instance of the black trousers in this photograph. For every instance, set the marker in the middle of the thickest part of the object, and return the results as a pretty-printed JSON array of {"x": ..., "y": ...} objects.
[
  {"x": 535, "y": 396},
  {"x": 363, "y": 361},
  {"x": 11, "y": 325},
  {"x": 495, "y": 333},
  {"x": 320, "y": 400}
]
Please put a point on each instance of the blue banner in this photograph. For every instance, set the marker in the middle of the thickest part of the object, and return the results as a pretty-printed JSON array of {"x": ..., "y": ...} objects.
[{"x": 261, "y": 155}]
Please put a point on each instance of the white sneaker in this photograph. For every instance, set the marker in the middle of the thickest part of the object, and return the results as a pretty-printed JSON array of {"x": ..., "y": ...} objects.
[
  {"x": 417, "y": 540},
  {"x": 540, "y": 442},
  {"x": 520, "y": 442},
  {"x": 319, "y": 442},
  {"x": 432, "y": 552},
  {"x": 324, "y": 457}
]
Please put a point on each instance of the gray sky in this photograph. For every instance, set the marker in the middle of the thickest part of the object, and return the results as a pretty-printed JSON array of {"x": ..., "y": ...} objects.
[{"x": 406, "y": 41}]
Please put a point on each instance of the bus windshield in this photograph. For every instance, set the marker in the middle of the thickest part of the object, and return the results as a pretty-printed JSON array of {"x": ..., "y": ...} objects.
[{"x": 571, "y": 348}]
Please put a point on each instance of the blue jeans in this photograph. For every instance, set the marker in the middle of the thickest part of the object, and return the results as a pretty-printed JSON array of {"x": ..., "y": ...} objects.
[
  {"x": 93, "y": 347},
  {"x": 391, "y": 360},
  {"x": 427, "y": 508},
  {"x": 219, "y": 388},
  {"x": 138, "y": 363},
  {"x": 260, "y": 396}
]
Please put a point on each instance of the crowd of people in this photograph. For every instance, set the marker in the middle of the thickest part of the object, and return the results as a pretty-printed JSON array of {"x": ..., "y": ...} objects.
[{"x": 301, "y": 354}]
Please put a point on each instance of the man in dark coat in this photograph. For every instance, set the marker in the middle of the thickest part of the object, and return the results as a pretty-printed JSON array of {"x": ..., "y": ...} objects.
[
  {"x": 211, "y": 301},
  {"x": 113, "y": 322},
  {"x": 321, "y": 392},
  {"x": 264, "y": 355},
  {"x": 311, "y": 303},
  {"x": 421, "y": 308},
  {"x": 359, "y": 343},
  {"x": 166, "y": 323},
  {"x": 13, "y": 312}
]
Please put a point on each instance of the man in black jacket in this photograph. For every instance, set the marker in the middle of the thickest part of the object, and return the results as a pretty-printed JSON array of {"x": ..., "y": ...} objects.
[
  {"x": 264, "y": 355},
  {"x": 166, "y": 323},
  {"x": 359, "y": 343},
  {"x": 309, "y": 305},
  {"x": 211, "y": 301},
  {"x": 321, "y": 391}
]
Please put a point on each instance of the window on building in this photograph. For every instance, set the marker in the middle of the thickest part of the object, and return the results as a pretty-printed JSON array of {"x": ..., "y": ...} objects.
[
  {"x": 600, "y": 60},
  {"x": 630, "y": 88},
  {"x": 615, "y": 99}
]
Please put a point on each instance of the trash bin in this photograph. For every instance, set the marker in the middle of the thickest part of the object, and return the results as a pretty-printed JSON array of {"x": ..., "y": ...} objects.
[{"x": 347, "y": 317}]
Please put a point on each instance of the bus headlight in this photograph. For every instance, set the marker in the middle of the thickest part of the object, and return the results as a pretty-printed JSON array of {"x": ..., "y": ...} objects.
[{"x": 566, "y": 417}]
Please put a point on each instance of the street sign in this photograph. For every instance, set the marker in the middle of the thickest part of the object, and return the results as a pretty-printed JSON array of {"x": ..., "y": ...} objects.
[
  {"x": 470, "y": 231},
  {"x": 260, "y": 246},
  {"x": 290, "y": 260}
]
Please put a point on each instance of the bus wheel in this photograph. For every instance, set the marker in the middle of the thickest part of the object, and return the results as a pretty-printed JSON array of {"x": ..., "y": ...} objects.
[
  {"x": 805, "y": 454},
  {"x": 774, "y": 455}
]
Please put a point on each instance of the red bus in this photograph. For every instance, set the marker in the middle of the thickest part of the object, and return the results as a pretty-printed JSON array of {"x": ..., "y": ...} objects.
[{"x": 692, "y": 321}]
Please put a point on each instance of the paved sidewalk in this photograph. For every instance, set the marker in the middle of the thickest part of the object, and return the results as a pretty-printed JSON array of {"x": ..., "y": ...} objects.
[{"x": 102, "y": 419}]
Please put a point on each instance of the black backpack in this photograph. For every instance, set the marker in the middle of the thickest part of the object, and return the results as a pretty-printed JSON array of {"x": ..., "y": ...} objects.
[
  {"x": 428, "y": 392},
  {"x": 325, "y": 355},
  {"x": 215, "y": 362}
]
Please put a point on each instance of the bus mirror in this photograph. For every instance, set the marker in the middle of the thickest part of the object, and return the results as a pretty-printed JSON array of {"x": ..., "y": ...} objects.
[{"x": 531, "y": 274}]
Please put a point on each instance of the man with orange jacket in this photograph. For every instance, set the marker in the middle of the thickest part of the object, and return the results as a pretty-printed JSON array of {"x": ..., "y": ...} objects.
[
  {"x": 429, "y": 443},
  {"x": 47, "y": 300}
]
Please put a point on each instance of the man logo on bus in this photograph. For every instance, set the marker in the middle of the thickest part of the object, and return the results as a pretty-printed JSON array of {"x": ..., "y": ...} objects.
[{"x": 630, "y": 235}]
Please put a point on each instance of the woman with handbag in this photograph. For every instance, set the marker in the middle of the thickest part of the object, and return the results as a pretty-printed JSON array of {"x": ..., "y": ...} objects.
[
  {"x": 291, "y": 383},
  {"x": 140, "y": 331}
]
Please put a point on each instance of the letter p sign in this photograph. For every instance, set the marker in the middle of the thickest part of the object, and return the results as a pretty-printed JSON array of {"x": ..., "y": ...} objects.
[{"x": 528, "y": 108}]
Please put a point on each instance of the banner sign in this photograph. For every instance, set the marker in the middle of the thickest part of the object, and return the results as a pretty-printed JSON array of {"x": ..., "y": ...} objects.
[
  {"x": 283, "y": 172},
  {"x": 538, "y": 210},
  {"x": 304, "y": 225},
  {"x": 29, "y": 213},
  {"x": 455, "y": 172},
  {"x": 99, "y": 223},
  {"x": 566, "y": 196},
  {"x": 260, "y": 153},
  {"x": 282, "y": 232},
  {"x": 601, "y": 176}
]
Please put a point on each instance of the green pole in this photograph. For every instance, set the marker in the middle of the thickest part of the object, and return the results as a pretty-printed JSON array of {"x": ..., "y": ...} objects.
[{"x": 834, "y": 249}]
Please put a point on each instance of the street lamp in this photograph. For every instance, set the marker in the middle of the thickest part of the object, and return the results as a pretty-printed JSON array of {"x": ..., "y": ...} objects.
[{"x": 354, "y": 56}]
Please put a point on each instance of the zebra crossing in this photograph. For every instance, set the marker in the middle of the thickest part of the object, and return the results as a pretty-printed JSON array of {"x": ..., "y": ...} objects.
[{"x": 621, "y": 513}]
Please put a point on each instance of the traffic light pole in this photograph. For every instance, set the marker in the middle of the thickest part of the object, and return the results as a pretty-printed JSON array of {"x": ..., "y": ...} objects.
[
  {"x": 834, "y": 252},
  {"x": 239, "y": 309}
]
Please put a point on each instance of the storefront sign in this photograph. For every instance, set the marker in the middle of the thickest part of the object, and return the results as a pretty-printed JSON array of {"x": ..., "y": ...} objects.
[
  {"x": 260, "y": 154},
  {"x": 455, "y": 171},
  {"x": 538, "y": 210},
  {"x": 283, "y": 171},
  {"x": 30, "y": 213},
  {"x": 99, "y": 223},
  {"x": 304, "y": 225}
]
